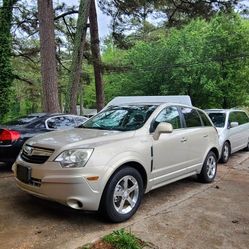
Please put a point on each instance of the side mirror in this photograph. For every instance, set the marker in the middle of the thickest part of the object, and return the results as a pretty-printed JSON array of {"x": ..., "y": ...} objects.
[
  {"x": 162, "y": 128},
  {"x": 234, "y": 124}
]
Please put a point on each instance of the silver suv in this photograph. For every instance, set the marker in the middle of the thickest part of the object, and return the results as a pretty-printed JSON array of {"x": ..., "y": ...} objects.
[
  {"x": 233, "y": 129},
  {"x": 121, "y": 153}
]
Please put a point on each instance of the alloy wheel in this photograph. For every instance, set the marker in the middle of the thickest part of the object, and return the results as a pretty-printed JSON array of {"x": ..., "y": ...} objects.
[{"x": 126, "y": 194}]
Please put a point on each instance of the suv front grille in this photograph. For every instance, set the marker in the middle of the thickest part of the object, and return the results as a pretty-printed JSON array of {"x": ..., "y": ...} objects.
[{"x": 36, "y": 155}]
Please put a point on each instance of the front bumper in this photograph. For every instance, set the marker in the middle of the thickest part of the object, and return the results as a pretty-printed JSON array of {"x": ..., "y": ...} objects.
[{"x": 66, "y": 186}]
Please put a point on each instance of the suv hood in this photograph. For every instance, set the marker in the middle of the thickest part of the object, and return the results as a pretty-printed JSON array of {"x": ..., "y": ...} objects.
[{"x": 76, "y": 137}]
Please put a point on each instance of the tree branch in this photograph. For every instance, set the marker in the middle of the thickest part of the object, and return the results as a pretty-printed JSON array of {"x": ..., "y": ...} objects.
[
  {"x": 28, "y": 81},
  {"x": 66, "y": 14}
]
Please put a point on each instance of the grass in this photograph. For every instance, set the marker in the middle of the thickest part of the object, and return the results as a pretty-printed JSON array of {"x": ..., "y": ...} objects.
[
  {"x": 122, "y": 239},
  {"x": 119, "y": 239}
]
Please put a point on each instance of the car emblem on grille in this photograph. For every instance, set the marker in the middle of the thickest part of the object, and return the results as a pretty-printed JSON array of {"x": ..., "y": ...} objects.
[{"x": 28, "y": 150}]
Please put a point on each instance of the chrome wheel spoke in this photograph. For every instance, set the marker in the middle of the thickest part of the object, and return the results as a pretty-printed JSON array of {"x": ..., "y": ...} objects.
[
  {"x": 121, "y": 205},
  {"x": 133, "y": 188},
  {"x": 131, "y": 202},
  {"x": 126, "y": 194},
  {"x": 118, "y": 193},
  {"x": 125, "y": 184}
]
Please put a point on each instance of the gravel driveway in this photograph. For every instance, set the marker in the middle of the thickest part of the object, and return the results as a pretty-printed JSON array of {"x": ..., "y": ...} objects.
[{"x": 186, "y": 214}]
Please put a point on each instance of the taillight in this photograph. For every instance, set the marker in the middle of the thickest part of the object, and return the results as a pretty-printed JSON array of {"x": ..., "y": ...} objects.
[{"x": 9, "y": 136}]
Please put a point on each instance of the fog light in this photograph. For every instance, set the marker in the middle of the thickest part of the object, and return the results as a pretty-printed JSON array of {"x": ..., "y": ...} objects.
[{"x": 75, "y": 204}]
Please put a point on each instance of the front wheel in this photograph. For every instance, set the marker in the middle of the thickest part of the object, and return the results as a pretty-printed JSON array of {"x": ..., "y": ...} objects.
[
  {"x": 122, "y": 195},
  {"x": 209, "y": 168},
  {"x": 225, "y": 154}
]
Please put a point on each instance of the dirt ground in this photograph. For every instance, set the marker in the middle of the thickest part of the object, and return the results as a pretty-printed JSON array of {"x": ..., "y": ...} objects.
[{"x": 186, "y": 214}]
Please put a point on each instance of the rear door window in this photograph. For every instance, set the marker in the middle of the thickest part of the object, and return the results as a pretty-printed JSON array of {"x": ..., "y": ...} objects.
[
  {"x": 191, "y": 116},
  {"x": 204, "y": 118},
  {"x": 80, "y": 120},
  {"x": 61, "y": 122},
  {"x": 242, "y": 118}
]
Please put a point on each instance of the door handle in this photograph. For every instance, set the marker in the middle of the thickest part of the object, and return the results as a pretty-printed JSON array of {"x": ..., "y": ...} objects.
[
  {"x": 183, "y": 140},
  {"x": 205, "y": 135}
]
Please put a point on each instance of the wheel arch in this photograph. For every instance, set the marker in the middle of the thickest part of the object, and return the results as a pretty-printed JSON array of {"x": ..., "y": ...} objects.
[
  {"x": 133, "y": 164},
  {"x": 216, "y": 152},
  {"x": 228, "y": 143}
]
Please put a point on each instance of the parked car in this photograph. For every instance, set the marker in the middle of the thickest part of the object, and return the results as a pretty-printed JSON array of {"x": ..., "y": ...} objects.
[
  {"x": 14, "y": 133},
  {"x": 110, "y": 161},
  {"x": 233, "y": 129}
]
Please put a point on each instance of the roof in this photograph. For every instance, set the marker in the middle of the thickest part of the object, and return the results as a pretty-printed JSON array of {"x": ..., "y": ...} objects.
[
  {"x": 179, "y": 99},
  {"x": 222, "y": 110}
]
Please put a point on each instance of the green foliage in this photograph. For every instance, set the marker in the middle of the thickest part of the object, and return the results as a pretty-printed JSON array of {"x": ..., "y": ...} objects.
[
  {"x": 122, "y": 239},
  {"x": 6, "y": 76},
  {"x": 207, "y": 60}
]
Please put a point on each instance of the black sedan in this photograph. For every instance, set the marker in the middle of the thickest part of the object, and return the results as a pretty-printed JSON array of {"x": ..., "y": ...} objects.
[{"x": 13, "y": 134}]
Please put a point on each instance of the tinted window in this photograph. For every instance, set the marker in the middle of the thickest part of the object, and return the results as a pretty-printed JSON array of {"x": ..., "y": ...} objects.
[
  {"x": 60, "y": 122},
  {"x": 204, "y": 119},
  {"x": 169, "y": 115},
  {"x": 191, "y": 116},
  {"x": 233, "y": 117},
  {"x": 242, "y": 118},
  {"x": 218, "y": 119},
  {"x": 39, "y": 124},
  {"x": 80, "y": 120}
]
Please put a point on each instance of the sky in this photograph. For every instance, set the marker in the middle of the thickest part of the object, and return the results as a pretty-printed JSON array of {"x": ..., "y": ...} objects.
[{"x": 103, "y": 20}]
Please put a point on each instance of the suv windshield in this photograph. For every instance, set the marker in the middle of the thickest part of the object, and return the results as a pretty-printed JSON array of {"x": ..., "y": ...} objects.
[
  {"x": 218, "y": 119},
  {"x": 121, "y": 118}
]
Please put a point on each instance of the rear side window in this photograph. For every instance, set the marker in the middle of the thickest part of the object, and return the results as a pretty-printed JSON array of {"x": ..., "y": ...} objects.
[
  {"x": 204, "y": 119},
  {"x": 61, "y": 122},
  {"x": 242, "y": 118},
  {"x": 39, "y": 124},
  {"x": 192, "y": 119},
  {"x": 168, "y": 115},
  {"x": 80, "y": 120}
]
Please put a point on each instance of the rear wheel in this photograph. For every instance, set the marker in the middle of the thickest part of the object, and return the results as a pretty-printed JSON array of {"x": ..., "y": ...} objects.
[
  {"x": 122, "y": 195},
  {"x": 247, "y": 147},
  {"x": 209, "y": 168},
  {"x": 226, "y": 151}
]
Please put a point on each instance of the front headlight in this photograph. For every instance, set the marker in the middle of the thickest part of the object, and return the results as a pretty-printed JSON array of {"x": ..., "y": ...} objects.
[{"x": 74, "y": 158}]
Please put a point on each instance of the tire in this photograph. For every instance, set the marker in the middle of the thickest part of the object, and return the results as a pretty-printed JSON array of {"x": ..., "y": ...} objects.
[
  {"x": 226, "y": 151},
  {"x": 122, "y": 195},
  {"x": 247, "y": 147},
  {"x": 209, "y": 168}
]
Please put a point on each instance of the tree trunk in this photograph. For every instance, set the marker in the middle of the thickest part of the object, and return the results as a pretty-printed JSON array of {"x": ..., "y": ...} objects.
[
  {"x": 48, "y": 59},
  {"x": 99, "y": 84},
  {"x": 6, "y": 76},
  {"x": 80, "y": 37},
  {"x": 81, "y": 99}
]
